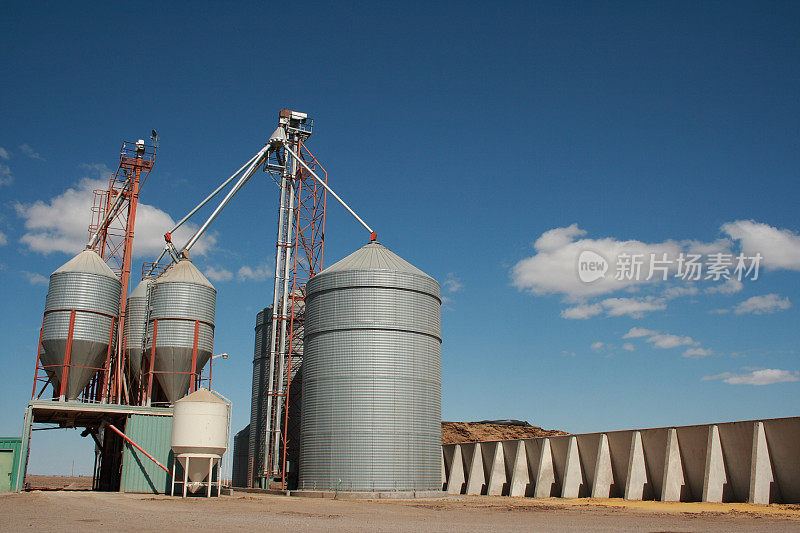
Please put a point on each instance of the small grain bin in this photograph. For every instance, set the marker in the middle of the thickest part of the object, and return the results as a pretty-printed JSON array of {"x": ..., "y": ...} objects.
[
  {"x": 135, "y": 327},
  {"x": 182, "y": 304},
  {"x": 371, "y": 405},
  {"x": 200, "y": 429},
  {"x": 80, "y": 314}
]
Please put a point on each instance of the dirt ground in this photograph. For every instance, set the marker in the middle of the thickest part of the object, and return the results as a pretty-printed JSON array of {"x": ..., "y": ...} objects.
[
  {"x": 60, "y": 482},
  {"x": 70, "y": 510},
  {"x": 456, "y": 432}
]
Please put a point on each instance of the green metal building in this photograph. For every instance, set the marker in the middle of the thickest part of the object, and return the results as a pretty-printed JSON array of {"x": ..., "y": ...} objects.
[
  {"x": 10, "y": 453},
  {"x": 140, "y": 474}
]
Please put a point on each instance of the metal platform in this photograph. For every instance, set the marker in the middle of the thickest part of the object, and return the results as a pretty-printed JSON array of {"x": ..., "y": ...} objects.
[{"x": 82, "y": 414}]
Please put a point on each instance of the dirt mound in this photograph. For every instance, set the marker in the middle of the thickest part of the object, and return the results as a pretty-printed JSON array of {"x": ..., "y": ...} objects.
[{"x": 453, "y": 432}]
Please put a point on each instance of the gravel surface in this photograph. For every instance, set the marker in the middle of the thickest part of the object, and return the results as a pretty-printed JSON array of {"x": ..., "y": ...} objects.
[{"x": 71, "y": 510}]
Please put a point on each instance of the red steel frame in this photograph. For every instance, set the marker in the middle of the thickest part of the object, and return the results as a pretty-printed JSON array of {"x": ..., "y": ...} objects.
[
  {"x": 309, "y": 247},
  {"x": 196, "y": 378},
  {"x": 92, "y": 392},
  {"x": 115, "y": 246}
]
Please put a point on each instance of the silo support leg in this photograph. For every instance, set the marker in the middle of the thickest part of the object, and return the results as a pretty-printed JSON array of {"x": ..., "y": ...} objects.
[
  {"x": 210, "y": 476},
  {"x": 186, "y": 475}
]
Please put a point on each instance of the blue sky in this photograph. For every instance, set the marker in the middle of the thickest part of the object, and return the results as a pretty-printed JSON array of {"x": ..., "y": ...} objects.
[{"x": 464, "y": 133}]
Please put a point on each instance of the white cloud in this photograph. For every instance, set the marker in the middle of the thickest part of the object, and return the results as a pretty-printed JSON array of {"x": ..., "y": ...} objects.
[
  {"x": 761, "y": 305},
  {"x": 697, "y": 353},
  {"x": 676, "y": 292},
  {"x": 731, "y": 286},
  {"x": 628, "y": 347},
  {"x": 636, "y": 333},
  {"x": 660, "y": 340},
  {"x": 582, "y": 311},
  {"x": 720, "y": 311},
  {"x": 3, "y": 239},
  {"x": 453, "y": 284},
  {"x": 61, "y": 223},
  {"x": 765, "y": 376},
  {"x": 30, "y": 152},
  {"x": 6, "y": 178},
  {"x": 553, "y": 269},
  {"x": 633, "y": 307},
  {"x": 597, "y": 346},
  {"x": 257, "y": 273},
  {"x": 780, "y": 247},
  {"x": 4, "y": 153},
  {"x": 218, "y": 274},
  {"x": 35, "y": 278},
  {"x": 668, "y": 340}
]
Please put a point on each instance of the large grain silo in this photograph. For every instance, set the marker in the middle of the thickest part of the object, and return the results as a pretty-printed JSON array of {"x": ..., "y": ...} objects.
[
  {"x": 371, "y": 407},
  {"x": 83, "y": 296},
  {"x": 182, "y": 304},
  {"x": 258, "y": 406}
]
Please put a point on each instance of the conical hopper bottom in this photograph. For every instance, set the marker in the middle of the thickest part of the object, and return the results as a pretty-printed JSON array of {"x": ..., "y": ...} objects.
[
  {"x": 199, "y": 468},
  {"x": 176, "y": 362},
  {"x": 86, "y": 357},
  {"x": 134, "y": 358}
]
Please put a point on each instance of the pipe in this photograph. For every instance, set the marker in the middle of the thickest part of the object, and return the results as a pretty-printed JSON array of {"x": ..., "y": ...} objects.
[
  {"x": 124, "y": 436},
  {"x": 321, "y": 182},
  {"x": 198, "y": 207},
  {"x": 256, "y": 161},
  {"x": 273, "y": 331},
  {"x": 285, "y": 315},
  {"x": 213, "y": 194}
]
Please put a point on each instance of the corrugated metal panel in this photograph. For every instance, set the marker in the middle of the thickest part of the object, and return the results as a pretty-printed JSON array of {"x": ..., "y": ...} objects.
[
  {"x": 258, "y": 405},
  {"x": 140, "y": 474},
  {"x": 135, "y": 325},
  {"x": 240, "y": 460},
  {"x": 372, "y": 377},
  {"x": 14, "y": 444}
]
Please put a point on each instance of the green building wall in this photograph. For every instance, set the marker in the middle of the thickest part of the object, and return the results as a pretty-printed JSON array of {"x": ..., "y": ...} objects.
[
  {"x": 140, "y": 474},
  {"x": 15, "y": 444}
]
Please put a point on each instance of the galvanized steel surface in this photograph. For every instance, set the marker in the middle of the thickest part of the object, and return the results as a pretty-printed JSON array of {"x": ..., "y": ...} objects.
[
  {"x": 91, "y": 290},
  {"x": 136, "y": 326},
  {"x": 181, "y": 293},
  {"x": 241, "y": 464},
  {"x": 258, "y": 407},
  {"x": 371, "y": 411}
]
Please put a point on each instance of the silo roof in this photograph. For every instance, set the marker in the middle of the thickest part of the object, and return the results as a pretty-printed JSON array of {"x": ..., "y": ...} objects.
[
  {"x": 87, "y": 261},
  {"x": 141, "y": 289},
  {"x": 203, "y": 395},
  {"x": 185, "y": 272},
  {"x": 374, "y": 256}
]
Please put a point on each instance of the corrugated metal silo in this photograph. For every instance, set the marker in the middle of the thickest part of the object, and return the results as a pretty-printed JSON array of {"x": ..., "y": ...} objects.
[
  {"x": 258, "y": 405},
  {"x": 372, "y": 376},
  {"x": 181, "y": 300},
  {"x": 87, "y": 285},
  {"x": 136, "y": 326}
]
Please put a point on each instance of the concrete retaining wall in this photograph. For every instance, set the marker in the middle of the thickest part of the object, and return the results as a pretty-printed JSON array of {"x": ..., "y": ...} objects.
[{"x": 756, "y": 461}]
